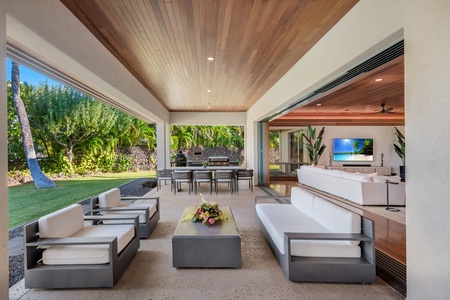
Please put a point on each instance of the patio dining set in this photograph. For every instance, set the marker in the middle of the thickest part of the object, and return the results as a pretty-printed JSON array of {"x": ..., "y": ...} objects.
[{"x": 194, "y": 176}]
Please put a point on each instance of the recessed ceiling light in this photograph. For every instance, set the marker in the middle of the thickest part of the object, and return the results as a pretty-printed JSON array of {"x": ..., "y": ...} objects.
[
  {"x": 379, "y": 79},
  {"x": 318, "y": 104},
  {"x": 210, "y": 58},
  {"x": 209, "y": 91}
]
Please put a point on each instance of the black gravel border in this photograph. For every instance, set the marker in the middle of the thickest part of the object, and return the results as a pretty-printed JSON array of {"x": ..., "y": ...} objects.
[{"x": 138, "y": 187}]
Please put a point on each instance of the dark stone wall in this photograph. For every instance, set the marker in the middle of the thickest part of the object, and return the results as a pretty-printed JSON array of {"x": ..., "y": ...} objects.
[
  {"x": 141, "y": 159},
  {"x": 233, "y": 154}
]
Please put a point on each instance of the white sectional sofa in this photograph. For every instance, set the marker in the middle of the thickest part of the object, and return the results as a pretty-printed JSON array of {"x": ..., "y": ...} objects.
[
  {"x": 315, "y": 240},
  {"x": 62, "y": 251},
  {"x": 364, "y": 189}
]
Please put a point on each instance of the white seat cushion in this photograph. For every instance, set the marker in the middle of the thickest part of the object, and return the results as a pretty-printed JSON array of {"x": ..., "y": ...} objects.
[
  {"x": 90, "y": 254},
  {"x": 137, "y": 204},
  {"x": 281, "y": 218}
]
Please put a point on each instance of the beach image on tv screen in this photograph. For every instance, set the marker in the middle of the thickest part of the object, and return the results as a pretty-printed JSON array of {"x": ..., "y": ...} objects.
[{"x": 353, "y": 149}]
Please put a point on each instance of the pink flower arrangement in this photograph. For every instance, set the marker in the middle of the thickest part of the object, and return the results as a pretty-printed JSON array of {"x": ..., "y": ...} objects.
[{"x": 207, "y": 212}]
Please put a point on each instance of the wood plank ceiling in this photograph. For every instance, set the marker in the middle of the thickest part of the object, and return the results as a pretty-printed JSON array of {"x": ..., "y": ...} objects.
[
  {"x": 165, "y": 44},
  {"x": 357, "y": 102}
]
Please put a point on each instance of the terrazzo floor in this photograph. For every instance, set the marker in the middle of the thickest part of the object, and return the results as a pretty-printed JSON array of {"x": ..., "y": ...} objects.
[{"x": 151, "y": 275}]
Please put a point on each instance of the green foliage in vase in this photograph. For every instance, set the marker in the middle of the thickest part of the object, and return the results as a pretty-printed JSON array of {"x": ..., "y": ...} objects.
[
  {"x": 400, "y": 148},
  {"x": 313, "y": 143}
]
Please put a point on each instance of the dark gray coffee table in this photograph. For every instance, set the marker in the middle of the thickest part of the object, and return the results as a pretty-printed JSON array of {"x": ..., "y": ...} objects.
[{"x": 195, "y": 245}]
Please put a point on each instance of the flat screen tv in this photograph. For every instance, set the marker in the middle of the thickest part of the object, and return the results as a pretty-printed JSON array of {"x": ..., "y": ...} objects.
[{"x": 359, "y": 150}]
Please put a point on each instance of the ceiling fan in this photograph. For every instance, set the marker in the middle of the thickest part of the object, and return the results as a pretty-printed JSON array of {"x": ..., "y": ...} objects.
[{"x": 385, "y": 110}]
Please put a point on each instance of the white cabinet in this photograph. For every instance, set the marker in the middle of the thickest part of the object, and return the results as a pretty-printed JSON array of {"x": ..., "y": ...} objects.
[{"x": 365, "y": 170}]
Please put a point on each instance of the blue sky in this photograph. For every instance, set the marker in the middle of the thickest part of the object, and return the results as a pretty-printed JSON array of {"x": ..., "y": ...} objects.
[
  {"x": 28, "y": 75},
  {"x": 345, "y": 145}
]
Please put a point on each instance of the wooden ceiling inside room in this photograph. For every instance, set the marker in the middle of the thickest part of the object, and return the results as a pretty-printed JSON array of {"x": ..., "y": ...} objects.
[
  {"x": 165, "y": 44},
  {"x": 357, "y": 102}
]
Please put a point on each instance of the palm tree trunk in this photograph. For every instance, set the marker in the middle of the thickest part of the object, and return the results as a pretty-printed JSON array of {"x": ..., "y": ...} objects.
[{"x": 40, "y": 180}]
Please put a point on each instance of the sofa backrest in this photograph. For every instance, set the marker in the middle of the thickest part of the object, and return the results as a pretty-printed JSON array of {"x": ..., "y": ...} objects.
[
  {"x": 109, "y": 198},
  {"x": 62, "y": 223},
  {"x": 383, "y": 179},
  {"x": 335, "y": 218},
  {"x": 302, "y": 200},
  {"x": 356, "y": 177}
]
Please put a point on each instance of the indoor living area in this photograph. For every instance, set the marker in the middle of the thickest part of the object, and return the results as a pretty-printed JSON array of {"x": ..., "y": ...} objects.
[{"x": 362, "y": 70}]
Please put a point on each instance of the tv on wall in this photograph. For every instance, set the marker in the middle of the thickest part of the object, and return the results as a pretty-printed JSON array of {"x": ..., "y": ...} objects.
[{"x": 345, "y": 149}]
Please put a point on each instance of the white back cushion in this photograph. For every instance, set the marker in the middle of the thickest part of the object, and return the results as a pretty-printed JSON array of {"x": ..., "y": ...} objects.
[
  {"x": 356, "y": 177},
  {"x": 335, "y": 218},
  {"x": 316, "y": 170},
  {"x": 302, "y": 200},
  {"x": 335, "y": 173},
  {"x": 109, "y": 198},
  {"x": 384, "y": 178},
  {"x": 62, "y": 223}
]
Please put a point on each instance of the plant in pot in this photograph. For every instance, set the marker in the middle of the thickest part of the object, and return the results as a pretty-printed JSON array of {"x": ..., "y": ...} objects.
[
  {"x": 313, "y": 143},
  {"x": 400, "y": 150}
]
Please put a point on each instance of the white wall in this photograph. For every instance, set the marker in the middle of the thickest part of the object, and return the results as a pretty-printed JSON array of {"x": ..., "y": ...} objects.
[
  {"x": 427, "y": 108},
  {"x": 4, "y": 259},
  {"x": 383, "y": 140}
]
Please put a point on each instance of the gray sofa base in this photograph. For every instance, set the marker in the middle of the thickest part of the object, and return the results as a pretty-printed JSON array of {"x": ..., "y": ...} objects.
[
  {"x": 327, "y": 269},
  {"x": 145, "y": 229},
  {"x": 38, "y": 275}
]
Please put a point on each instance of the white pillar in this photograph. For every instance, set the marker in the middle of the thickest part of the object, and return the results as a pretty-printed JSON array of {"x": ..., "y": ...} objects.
[
  {"x": 427, "y": 110},
  {"x": 284, "y": 151},
  {"x": 163, "y": 145},
  {"x": 251, "y": 149},
  {"x": 4, "y": 258}
]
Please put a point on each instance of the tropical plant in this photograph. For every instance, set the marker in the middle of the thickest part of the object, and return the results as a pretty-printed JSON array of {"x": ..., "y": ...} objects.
[
  {"x": 40, "y": 180},
  {"x": 70, "y": 118},
  {"x": 400, "y": 148},
  {"x": 314, "y": 144},
  {"x": 206, "y": 136}
]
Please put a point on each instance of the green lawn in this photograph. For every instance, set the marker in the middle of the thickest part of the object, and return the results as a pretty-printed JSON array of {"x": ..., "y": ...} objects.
[{"x": 27, "y": 203}]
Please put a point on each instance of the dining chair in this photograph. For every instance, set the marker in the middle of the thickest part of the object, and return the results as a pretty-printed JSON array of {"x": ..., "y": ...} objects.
[
  {"x": 180, "y": 176},
  {"x": 245, "y": 175},
  {"x": 227, "y": 176},
  {"x": 202, "y": 176}
]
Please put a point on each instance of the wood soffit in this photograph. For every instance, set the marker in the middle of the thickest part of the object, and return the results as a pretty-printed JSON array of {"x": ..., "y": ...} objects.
[{"x": 165, "y": 45}]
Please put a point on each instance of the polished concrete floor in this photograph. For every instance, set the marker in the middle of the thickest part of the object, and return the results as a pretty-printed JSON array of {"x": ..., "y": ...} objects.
[{"x": 152, "y": 276}]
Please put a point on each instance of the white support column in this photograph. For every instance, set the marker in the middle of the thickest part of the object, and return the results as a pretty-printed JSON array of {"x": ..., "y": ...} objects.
[
  {"x": 427, "y": 123},
  {"x": 284, "y": 147},
  {"x": 167, "y": 149},
  {"x": 163, "y": 145},
  {"x": 4, "y": 258},
  {"x": 251, "y": 151}
]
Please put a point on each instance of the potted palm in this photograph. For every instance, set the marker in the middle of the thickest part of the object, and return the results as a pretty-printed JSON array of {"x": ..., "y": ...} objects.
[
  {"x": 400, "y": 150},
  {"x": 314, "y": 144}
]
